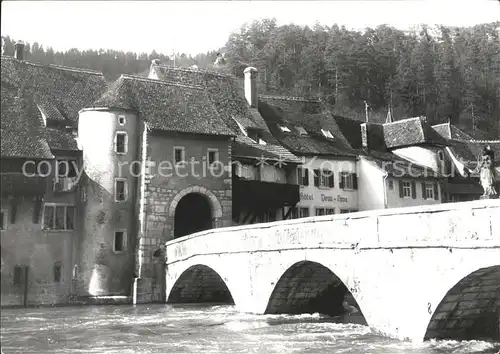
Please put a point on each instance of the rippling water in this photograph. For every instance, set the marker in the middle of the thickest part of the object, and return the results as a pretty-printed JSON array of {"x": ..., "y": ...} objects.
[{"x": 198, "y": 329}]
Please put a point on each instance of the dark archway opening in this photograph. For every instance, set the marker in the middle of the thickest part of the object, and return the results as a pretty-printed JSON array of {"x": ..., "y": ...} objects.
[
  {"x": 200, "y": 284},
  {"x": 470, "y": 310},
  {"x": 309, "y": 287},
  {"x": 192, "y": 214}
]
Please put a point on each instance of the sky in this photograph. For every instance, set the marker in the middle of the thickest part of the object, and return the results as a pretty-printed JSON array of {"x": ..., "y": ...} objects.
[{"x": 198, "y": 26}]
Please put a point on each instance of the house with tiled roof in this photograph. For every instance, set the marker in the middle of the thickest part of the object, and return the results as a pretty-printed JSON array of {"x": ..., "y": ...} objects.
[
  {"x": 158, "y": 168},
  {"x": 462, "y": 156},
  {"x": 327, "y": 176},
  {"x": 394, "y": 167},
  {"x": 41, "y": 212},
  {"x": 264, "y": 173}
]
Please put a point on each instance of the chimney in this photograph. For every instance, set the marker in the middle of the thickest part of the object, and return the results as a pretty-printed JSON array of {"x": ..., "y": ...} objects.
[
  {"x": 251, "y": 86},
  {"x": 364, "y": 135},
  {"x": 19, "y": 50}
]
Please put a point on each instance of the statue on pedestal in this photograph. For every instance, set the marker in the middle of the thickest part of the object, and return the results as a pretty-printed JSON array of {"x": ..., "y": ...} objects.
[{"x": 487, "y": 174}]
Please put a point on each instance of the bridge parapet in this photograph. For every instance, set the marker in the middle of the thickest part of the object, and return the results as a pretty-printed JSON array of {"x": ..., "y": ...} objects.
[{"x": 453, "y": 225}]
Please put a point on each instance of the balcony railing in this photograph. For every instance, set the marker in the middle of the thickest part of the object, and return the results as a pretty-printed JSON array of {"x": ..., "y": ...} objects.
[
  {"x": 253, "y": 193},
  {"x": 17, "y": 184}
]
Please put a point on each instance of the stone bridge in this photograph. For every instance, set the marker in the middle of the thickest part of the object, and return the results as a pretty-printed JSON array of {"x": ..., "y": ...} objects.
[{"x": 415, "y": 273}]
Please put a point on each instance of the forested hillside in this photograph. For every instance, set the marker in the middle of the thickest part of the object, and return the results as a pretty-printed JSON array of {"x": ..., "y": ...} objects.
[{"x": 442, "y": 73}]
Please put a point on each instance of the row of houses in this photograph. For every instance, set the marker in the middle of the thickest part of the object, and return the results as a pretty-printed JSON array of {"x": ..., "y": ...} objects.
[{"x": 97, "y": 176}]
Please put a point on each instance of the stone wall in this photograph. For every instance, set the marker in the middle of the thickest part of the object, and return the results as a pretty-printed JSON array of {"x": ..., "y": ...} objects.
[{"x": 164, "y": 188}]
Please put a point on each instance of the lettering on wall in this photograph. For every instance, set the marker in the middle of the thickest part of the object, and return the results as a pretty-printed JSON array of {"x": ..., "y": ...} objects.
[
  {"x": 306, "y": 196},
  {"x": 324, "y": 198}
]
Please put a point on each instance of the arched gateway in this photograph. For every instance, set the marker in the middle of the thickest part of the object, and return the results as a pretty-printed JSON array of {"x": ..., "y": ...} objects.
[{"x": 194, "y": 209}]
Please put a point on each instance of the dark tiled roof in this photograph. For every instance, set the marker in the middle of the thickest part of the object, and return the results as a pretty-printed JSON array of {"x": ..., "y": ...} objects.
[
  {"x": 399, "y": 167},
  {"x": 227, "y": 95},
  {"x": 60, "y": 91},
  {"x": 411, "y": 131},
  {"x": 166, "y": 106},
  {"x": 308, "y": 114},
  {"x": 59, "y": 140},
  {"x": 351, "y": 129},
  {"x": 22, "y": 128}
]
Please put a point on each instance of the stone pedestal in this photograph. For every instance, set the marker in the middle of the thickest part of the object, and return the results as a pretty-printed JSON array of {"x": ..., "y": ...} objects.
[{"x": 488, "y": 197}]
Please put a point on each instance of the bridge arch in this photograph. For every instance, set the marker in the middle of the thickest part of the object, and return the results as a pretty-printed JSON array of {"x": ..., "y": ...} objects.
[
  {"x": 310, "y": 287},
  {"x": 200, "y": 284},
  {"x": 470, "y": 309}
]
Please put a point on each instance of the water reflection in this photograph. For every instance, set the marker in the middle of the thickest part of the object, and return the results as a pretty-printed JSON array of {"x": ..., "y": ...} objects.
[{"x": 200, "y": 329}]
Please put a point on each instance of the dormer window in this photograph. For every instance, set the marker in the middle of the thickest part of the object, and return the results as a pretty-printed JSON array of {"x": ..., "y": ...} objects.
[
  {"x": 327, "y": 133},
  {"x": 284, "y": 129},
  {"x": 301, "y": 130},
  {"x": 121, "y": 120}
]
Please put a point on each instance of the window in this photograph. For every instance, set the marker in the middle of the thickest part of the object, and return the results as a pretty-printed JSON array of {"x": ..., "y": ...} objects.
[
  {"x": 327, "y": 133},
  {"x": 429, "y": 191},
  {"x": 120, "y": 241},
  {"x": 121, "y": 142},
  {"x": 348, "y": 180},
  {"x": 213, "y": 156},
  {"x": 57, "y": 272},
  {"x": 59, "y": 217},
  {"x": 121, "y": 120},
  {"x": 66, "y": 168},
  {"x": 18, "y": 275},
  {"x": 329, "y": 211},
  {"x": 295, "y": 213},
  {"x": 391, "y": 184},
  {"x": 120, "y": 189},
  {"x": 303, "y": 212},
  {"x": 344, "y": 211},
  {"x": 284, "y": 129},
  {"x": 323, "y": 178},
  {"x": 407, "y": 189},
  {"x": 320, "y": 211},
  {"x": 440, "y": 155},
  {"x": 3, "y": 220},
  {"x": 179, "y": 155},
  {"x": 301, "y": 130},
  {"x": 304, "y": 176}
]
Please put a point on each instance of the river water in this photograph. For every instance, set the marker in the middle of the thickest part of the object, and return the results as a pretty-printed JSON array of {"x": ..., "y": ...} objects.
[{"x": 199, "y": 329}]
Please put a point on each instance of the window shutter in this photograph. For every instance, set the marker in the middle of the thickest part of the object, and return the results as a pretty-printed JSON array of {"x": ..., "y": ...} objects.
[
  {"x": 330, "y": 179},
  {"x": 413, "y": 189},
  {"x": 306, "y": 179},
  {"x": 424, "y": 194},
  {"x": 341, "y": 181},
  {"x": 401, "y": 191},
  {"x": 114, "y": 143},
  {"x": 436, "y": 191},
  {"x": 316, "y": 178},
  {"x": 354, "y": 181}
]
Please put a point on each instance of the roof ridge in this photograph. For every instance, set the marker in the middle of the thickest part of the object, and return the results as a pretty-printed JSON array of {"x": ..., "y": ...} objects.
[
  {"x": 204, "y": 71},
  {"x": 478, "y": 141},
  {"x": 55, "y": 66},
  {"x": 290, "y": 98},
  {"x": 162, "y": 82},
  {"x": 405, "y": 119}
]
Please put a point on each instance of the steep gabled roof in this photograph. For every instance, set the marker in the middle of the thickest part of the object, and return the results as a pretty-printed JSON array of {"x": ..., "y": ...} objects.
[
  {"x": 61, "y": 91},
  {"x": 165, "y": 106},
  {"x": 411, "y": 131},
  {"x": 227, "y": 95},
  {"x": 22, "y": 128},
  {"x": 312, "y": 116},
  {"x": 466, "y": 149}
]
